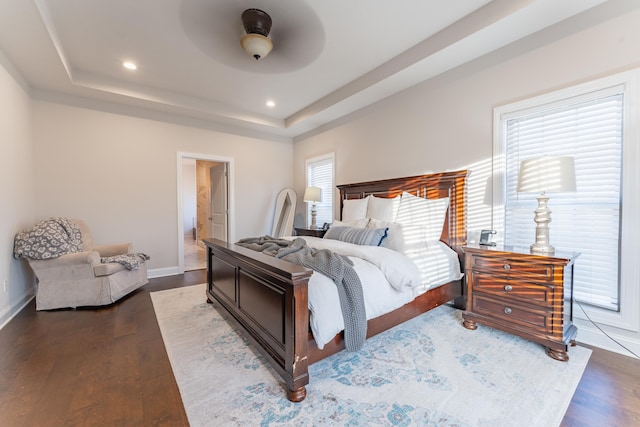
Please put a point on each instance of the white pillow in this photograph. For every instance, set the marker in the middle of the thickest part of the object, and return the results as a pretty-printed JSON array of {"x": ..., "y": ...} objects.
[
  {"x": 430, "y": 213},
  {"x": 383, "y": 209},
  {"x": 402, "y": 238},
  {"x": 356, "y": 223},
  {"x": 354, "y": 209}
]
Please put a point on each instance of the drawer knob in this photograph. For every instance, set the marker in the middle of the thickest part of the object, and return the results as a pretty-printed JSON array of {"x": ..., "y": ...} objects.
[
  {"x": 507, "y": 310},
  {"x": 508, "y": 288},
  {"x": 506, "y": 267}
]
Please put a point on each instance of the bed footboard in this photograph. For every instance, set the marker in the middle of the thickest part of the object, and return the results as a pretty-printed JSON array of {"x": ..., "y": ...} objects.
[{"x": 267, "y": 299}]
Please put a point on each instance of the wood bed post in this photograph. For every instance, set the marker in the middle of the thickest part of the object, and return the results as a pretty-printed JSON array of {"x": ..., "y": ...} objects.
[{"x": 297, "y": 360}]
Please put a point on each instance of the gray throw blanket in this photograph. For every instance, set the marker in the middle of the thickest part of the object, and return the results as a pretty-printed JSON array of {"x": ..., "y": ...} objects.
[
  {"x": 130, "y": 261},
  {"x": 337, "y": 267},
  {"x": 48, "y": 239}
]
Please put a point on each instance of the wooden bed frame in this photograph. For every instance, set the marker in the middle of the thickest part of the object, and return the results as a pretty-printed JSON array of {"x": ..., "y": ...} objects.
[{"x": 266, "y": 298}]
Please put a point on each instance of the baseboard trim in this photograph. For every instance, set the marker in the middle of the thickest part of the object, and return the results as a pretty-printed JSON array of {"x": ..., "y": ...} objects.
[
  {"x": 594, "y": 337},
  {"x": 11, "y": 311},
  {"x": 162, "y": 272}
]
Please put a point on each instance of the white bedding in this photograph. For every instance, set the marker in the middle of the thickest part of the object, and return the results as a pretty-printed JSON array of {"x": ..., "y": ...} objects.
[{"x": 389, "y": 280}]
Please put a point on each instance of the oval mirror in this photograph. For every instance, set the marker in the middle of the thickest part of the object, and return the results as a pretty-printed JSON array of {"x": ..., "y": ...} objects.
[{"x": 285, "y": 212}]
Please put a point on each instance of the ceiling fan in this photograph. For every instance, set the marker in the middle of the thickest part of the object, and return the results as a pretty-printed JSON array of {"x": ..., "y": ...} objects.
[
  {"x": 257, "y": 24},
  {"x": 297, "y": 39}
]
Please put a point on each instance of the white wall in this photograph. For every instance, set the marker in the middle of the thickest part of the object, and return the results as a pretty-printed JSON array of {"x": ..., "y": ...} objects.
[
  {"x": 119, "y": 174},
  {"x": 16, "y": 190},
  {"x": 446, "y": 123}
]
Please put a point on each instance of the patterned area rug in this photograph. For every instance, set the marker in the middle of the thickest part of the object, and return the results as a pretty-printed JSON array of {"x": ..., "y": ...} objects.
[{"x": 428, "y": 371}]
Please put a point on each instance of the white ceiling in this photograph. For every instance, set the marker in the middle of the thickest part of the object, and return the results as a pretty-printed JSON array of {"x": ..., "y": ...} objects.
[{"x": 330, "y": 57}]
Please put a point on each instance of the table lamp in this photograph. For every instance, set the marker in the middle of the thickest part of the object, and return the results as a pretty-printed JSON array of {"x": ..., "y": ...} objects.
[
  {"x": 542, "y": 175},
  {"x": 313, "y": 195}
]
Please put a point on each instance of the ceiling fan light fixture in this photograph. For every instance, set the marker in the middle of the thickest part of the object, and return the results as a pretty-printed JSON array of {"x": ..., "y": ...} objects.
[
  {"x": 257, "y": 25},
  {"x": 256, "y": 45}
]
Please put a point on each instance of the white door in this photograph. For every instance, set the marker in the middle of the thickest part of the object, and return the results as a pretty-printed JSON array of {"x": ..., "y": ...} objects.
[{"x": 219, "y": 206}]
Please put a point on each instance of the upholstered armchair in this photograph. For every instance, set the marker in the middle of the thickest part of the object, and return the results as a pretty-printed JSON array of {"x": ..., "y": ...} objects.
[{"x": 81, "y": 279}]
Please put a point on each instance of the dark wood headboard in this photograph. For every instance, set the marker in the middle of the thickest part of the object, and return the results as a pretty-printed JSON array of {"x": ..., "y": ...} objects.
[{"x": 430, "y": 186}]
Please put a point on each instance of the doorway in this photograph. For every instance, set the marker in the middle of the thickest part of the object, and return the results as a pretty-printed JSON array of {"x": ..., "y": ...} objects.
[
  {"x": 204, "y": 206},
  {"x": 211, "y": 201}
]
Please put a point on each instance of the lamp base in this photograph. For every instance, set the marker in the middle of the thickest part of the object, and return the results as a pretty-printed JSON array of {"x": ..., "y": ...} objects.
[
  {"x": 542, "y": 249},
  {"x": 542, "y": 219},
  {"x": 313, "y": 225}
]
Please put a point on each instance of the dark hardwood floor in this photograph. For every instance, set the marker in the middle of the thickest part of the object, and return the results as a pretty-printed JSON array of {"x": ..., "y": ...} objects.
[{"x": 108, "y": 366}]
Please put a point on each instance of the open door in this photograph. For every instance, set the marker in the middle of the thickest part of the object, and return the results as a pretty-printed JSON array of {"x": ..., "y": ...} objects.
[
  {"x": 219, "y": 209},
  {"x": 209, "y": 187}
]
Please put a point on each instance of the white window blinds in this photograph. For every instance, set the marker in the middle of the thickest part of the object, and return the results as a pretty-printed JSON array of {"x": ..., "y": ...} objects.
[
  {"x": 589, "y": 128},
  {"x": 320, "y": 174}
]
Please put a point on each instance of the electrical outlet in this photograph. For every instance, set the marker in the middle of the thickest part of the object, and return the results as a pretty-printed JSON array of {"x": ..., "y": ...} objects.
[{"x": 4, "y": 285}]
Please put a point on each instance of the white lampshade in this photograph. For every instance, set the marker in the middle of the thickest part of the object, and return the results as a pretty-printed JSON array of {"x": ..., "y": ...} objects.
[
  {"x": 312, "y": 194},
  {"x": 547, "y": 174},
  {"x": 256, "y": 45},
  {"x": 542, "y": 175}
]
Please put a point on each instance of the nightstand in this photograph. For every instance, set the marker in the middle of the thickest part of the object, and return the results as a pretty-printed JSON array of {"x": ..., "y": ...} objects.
[
  {"x": 525, "y": 294},
  {"x": 312, "y": 232}
]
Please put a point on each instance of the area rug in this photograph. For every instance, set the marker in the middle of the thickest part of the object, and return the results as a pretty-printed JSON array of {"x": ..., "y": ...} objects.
[{"x": 428, "y": 371}]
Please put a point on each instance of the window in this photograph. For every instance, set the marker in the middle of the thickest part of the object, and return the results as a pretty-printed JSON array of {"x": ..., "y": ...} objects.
[
  {"x": 320, "y": 174},
  {"x": 589, "y": 130},
  {"x": 595, "y": 124}
]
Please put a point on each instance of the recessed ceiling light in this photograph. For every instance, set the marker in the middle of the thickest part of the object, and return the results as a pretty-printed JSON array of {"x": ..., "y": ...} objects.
[
  {"x": 271, "y": 104},
  {"x": 129, "y": 65}
]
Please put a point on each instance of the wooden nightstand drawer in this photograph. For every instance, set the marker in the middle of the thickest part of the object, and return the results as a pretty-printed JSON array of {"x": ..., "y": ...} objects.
[
  {"x": 513, "y": 267},
  {"x": 511, "y": 289},
  {"x": 533, "y": 319},
  {"x": 523, "y": 293}
]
